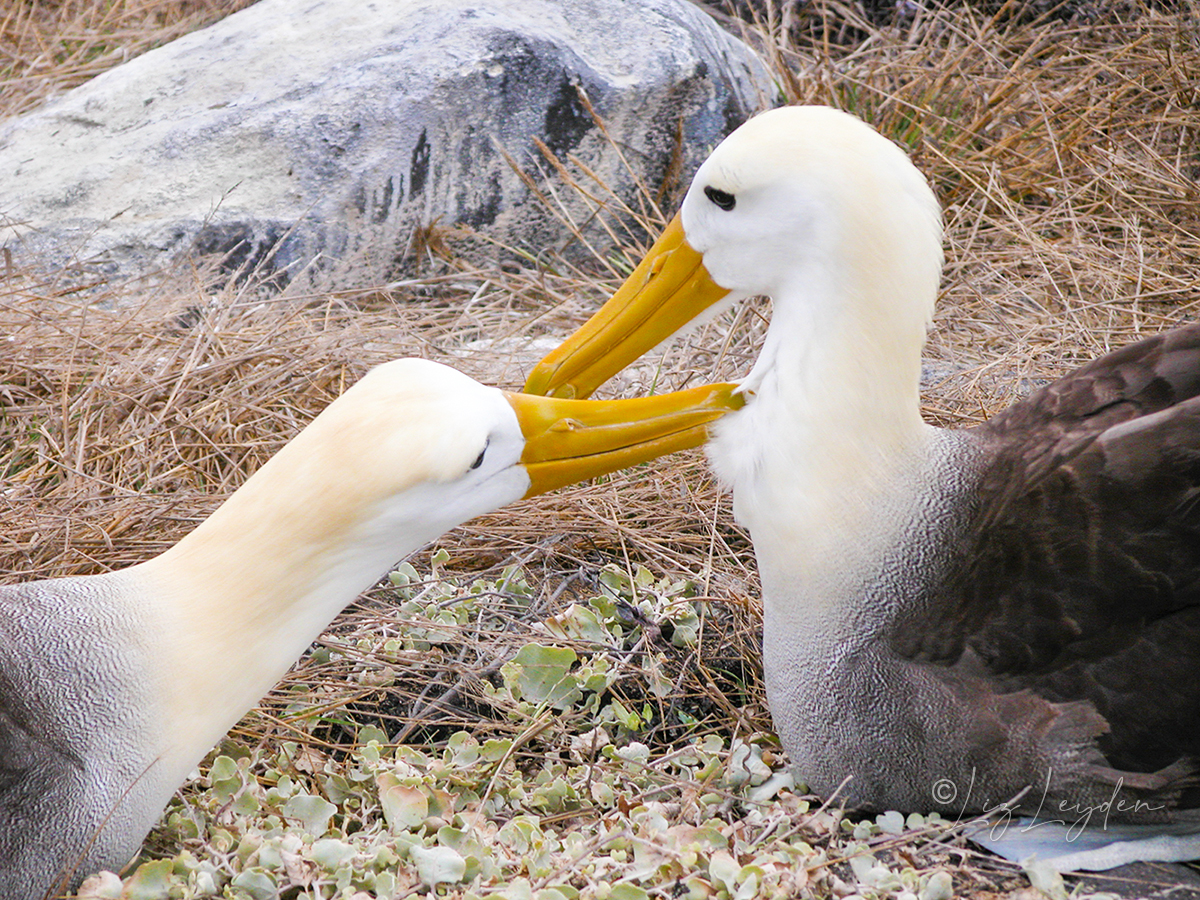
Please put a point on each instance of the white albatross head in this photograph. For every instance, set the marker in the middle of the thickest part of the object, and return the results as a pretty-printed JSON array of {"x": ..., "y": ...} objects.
[{"x": 807, "y": 205}]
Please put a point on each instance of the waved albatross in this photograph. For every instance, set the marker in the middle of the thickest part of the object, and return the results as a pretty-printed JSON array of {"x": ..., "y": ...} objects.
[
  {"x": 114, "y": 686},
  {"x": 952, "y": 619}
]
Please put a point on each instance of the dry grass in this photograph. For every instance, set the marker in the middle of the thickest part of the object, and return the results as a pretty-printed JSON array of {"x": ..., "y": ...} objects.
[
  {"x": 1065, "y": 153},
  {"x": 49, "y": 46}
]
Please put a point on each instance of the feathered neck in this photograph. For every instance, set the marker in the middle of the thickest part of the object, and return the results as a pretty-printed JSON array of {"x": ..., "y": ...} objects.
[
  {"x": 244, "y": 595},
  {"x": 833, "y": 437}
]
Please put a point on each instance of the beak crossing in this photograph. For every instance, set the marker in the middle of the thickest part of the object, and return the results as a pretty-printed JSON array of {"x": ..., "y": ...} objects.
[
  {"x": 571, "y": 440},
  {"x": 669, "y": 288}
]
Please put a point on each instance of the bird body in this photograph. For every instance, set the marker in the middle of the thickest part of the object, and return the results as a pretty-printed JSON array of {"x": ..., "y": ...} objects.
[
  {"x": 74, "y": 690},
  {"x": 1001, "y": 618},
  {"x": 114, "y": 686}
]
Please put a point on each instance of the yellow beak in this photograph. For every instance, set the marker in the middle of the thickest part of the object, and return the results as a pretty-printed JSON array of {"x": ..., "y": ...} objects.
[
  {"x": 570, "y": 440},
  {"x": 668, "y": 289}
]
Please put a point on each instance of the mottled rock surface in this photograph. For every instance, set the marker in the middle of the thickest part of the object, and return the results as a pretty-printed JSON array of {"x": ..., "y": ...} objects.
[{"x": 332, "y": 129}]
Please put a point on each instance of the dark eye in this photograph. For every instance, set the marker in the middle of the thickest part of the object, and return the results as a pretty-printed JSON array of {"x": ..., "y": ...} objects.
[
  {"x": 723, "y": 199},
  {"x": 479, "y": 459}
]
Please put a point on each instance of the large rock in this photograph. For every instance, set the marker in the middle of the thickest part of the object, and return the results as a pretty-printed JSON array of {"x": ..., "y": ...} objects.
[{"x": 329, "y": 129}]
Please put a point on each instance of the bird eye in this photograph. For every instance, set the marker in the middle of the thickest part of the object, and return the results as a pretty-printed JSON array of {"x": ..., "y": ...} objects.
[
  {"x": 479, "y": 459},
  {"x": 721, "y": 198}
]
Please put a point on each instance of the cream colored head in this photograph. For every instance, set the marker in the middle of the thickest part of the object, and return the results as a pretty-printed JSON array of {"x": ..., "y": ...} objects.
[
  {"x": 823, "y": 211},
  {"x": 807, "y": 205},
  {"x": 409, "y": 451},
  {"x": 413, "y": 442},
  {"x": 810, "y": 186},
  {"x": 415, "y": 448}
]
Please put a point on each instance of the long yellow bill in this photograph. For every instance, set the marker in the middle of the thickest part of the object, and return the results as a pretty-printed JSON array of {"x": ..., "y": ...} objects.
[
  {"x": 571, "y": 440},
  {"x": 668, "y": 289}
]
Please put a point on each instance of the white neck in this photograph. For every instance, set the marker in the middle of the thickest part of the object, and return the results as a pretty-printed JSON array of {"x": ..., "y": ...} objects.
[
  {"x": 833, "y": 437},
  {"x": 241, "y": 598}
]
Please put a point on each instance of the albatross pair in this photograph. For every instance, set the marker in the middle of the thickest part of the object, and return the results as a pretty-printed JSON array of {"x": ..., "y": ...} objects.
[
  {"x": 1005, "y": 610},
  {"x": 112, "y": 687},
  {"x": 952, "y": 619}
]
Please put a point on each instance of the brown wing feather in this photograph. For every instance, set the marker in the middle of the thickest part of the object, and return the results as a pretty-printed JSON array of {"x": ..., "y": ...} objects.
[
  {"x": 1087, "y": 525},
  {"x": 1080, "y": 576}
]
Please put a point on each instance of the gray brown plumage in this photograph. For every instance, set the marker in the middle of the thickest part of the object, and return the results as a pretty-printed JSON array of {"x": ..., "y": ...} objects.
[
  {"x": 1075, "y": 590},
  {"x": 1081, "y": 576}
]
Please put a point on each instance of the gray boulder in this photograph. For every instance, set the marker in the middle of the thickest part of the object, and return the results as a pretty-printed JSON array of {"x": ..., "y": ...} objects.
[{"x": 327, "y": 130}]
